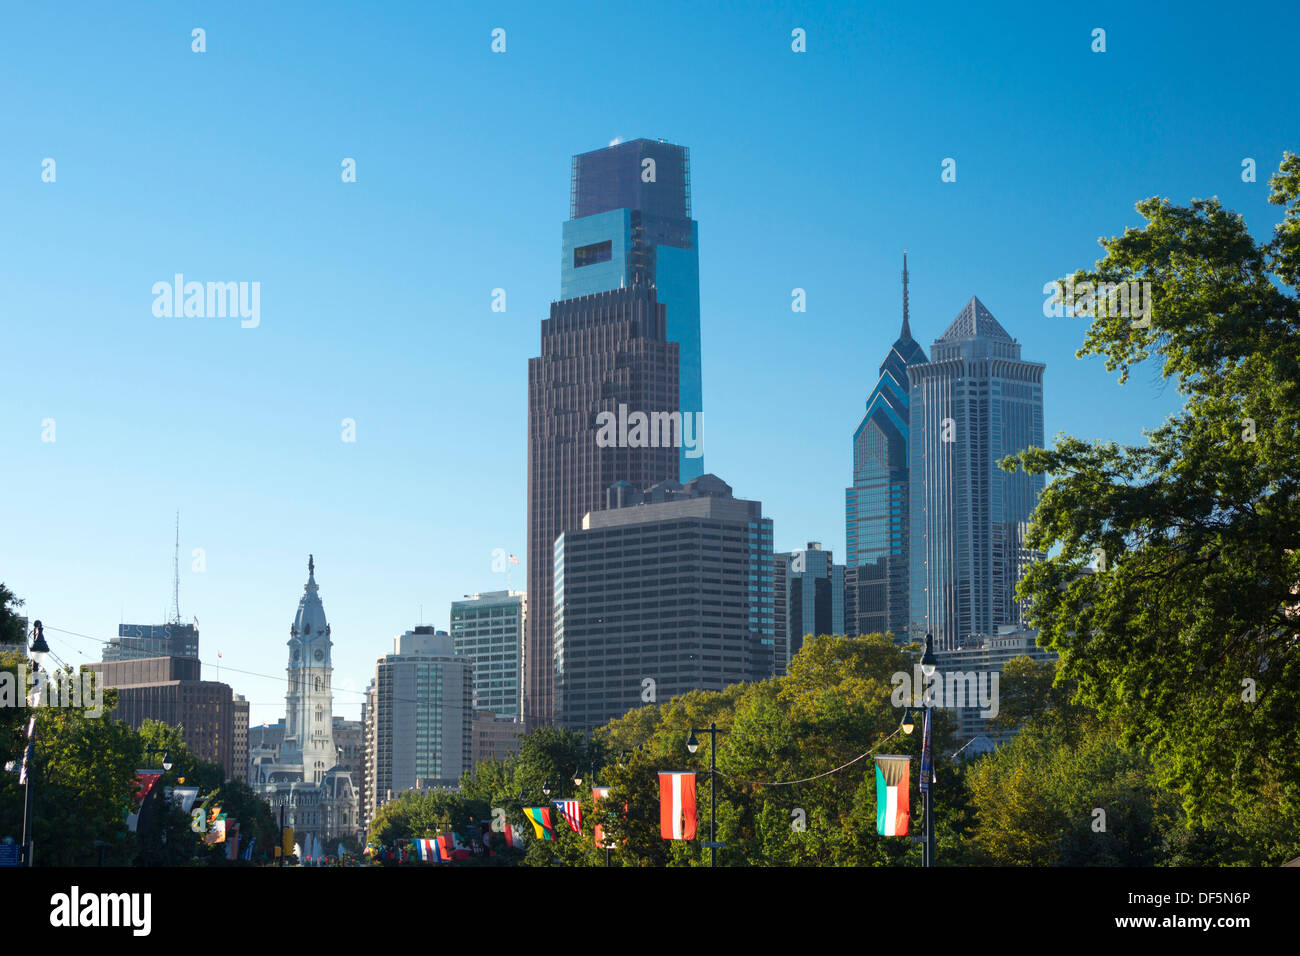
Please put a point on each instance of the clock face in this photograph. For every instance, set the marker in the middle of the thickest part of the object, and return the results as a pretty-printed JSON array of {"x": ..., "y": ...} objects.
[{"x": 319, "y": 654}]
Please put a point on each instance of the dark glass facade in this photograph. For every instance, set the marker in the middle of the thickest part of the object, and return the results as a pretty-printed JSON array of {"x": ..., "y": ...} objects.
[{"x": 876, "y": 506}]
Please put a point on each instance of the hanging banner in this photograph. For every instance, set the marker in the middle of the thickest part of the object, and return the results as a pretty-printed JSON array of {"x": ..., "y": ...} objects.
[
  {"x": 893, "y": 785},
  {"x": 677, "y": 818}
]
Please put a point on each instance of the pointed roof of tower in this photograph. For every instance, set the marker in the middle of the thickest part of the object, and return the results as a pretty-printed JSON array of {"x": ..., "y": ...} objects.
[
  {"x": 310, "y": 619},
  {"x": 975, "y": 321},
  {"x": 905, "y": 351}
]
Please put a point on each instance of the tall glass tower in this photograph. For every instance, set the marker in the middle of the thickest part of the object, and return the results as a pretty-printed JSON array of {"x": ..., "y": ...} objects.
[
  {"x": 876, "y": 507},
  {"x": 974, "y": 403},
  {"x": 630, "y": 224}
]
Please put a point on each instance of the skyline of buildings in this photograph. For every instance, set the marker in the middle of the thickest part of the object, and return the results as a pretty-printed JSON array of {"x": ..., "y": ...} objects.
[{"x": 644, "y": 587}]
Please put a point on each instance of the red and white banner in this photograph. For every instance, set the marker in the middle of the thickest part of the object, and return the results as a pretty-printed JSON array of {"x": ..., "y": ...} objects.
[
  {"x": 598, "y": 794},
  {"x": 677, "y": 805}
]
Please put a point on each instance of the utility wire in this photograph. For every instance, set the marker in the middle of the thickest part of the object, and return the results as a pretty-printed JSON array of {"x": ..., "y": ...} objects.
[{"x": 789, "y": 783}]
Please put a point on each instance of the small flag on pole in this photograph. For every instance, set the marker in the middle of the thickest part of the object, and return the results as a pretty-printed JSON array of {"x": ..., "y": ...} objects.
[
  {"x": 540, "y": 818},
  {"x": 571, "y": 810},
  {"x": 677, "y": 820},
  {"x": 513, "y": 559},
  {"x": 893, "y": 783},
  {"x": 927, "y": 767}
]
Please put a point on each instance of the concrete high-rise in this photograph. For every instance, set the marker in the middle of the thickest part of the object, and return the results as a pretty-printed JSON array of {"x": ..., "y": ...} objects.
[
  {"x": 488, "y": 629},
  {"x": 420, "y": 716},
  {"x": 663, "y": 592},
  {"x": 630, "y": 224},
  {"x": 877, "y": 506},
  {"x": 602, "y": 355},
  {"x": 973, "y": 403}
]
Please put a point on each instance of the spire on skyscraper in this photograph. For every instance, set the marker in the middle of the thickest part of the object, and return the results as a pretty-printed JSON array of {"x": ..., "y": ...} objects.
[{"x": 907, "y": 332}]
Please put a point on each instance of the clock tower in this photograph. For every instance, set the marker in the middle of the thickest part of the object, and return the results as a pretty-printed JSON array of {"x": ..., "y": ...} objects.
[{"x": 309, "y": 704}]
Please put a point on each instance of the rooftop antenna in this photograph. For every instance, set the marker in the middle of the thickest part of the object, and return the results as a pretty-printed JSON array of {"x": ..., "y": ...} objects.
[
  {"x": 907, "y": 332},
  {"x": 176, "y": 573}
]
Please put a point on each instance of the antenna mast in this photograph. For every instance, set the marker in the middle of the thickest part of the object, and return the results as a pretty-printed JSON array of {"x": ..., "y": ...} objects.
[{"x": 176, "y": 573}]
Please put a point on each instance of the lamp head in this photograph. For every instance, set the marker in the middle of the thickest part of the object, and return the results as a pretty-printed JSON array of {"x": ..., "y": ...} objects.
[
  {"x": 908, "y": 724},
  {"x": 691, "y": 743},
  {"x": 928, "y": 660},
  {"x": 40, "y": 650}
]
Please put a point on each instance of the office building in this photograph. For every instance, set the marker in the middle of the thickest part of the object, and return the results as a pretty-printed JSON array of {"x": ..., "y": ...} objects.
[
  {"x": 972, "y": 404},
  {"x": 663, "y": 592},
  {"x": 423, "y": 708},
  {"x": 630, "y": 224},
  {"x": 488, "y": 629},
  {"x": 878, "y": 505},
  {"x": 812, "y": 596},
  {"x": 239, "y": 724},
  {"x": 171, "y": 690},
  {"x": 605, "y": 357},
  {"x": 495, "y": 737},
  {"x": 135, "y": 641}
]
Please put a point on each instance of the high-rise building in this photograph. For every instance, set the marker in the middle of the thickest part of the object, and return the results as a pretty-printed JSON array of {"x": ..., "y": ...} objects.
[
  {"x": 239, "y": 723},
  {"x": 495, "y": 737},
  {"x": 422, "y": 715},
  {"x": 171, "y": 690},
  {"x": 135, "y": 641},
  {"x": 630, "y": 224},
  {"x": 488, "y": 628},
  {"x": 877, "y": 506},
  {"x": 661, "y": 593},
  {"x": 602, "y": 355},
  {"x": 974, "y": 403},
  {"x": 812, "y": 595}
]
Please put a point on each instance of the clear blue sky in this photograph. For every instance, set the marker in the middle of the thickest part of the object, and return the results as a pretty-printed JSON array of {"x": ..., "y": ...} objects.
[{"x": 810, "y": 170}]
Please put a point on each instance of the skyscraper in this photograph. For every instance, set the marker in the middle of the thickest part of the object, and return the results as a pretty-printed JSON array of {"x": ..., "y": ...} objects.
[
  {"x": 663, "y": 592},
  {"x": 423, "y": 708},
  {"x": 876, "y": 507},
  {"x": 813, "y": 598},
  {"x": 602, "y": 354},
  {"x": 488, "y": 629},
  {"x": 974, "y": 403},
  {"x": 630, "y": 223}
]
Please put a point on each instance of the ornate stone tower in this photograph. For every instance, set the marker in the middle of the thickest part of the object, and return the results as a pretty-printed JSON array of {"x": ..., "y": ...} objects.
[{"x": 309, "y": 704}]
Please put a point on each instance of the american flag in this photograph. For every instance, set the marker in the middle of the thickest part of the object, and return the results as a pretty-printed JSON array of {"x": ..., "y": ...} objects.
[
  {"x": 572, "y": 811},
  {"x": 513, "y": 559}
]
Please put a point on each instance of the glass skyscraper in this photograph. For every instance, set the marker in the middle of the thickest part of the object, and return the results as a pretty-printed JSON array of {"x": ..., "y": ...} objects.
[
  {"x": 974, "y": 403},
  {"x": 630, "y": 224},
  {"x": 876, "y": 507}
]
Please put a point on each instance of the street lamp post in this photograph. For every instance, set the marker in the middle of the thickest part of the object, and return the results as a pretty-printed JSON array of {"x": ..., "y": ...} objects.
[
  {"x": 928, "y": 664},
  {"x": 693, "y": 745},
  {"x": 39, "y": 651}
]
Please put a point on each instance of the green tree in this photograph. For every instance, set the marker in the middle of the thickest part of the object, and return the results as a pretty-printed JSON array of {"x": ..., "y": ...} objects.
[{"x": 1188, "y": 635}]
